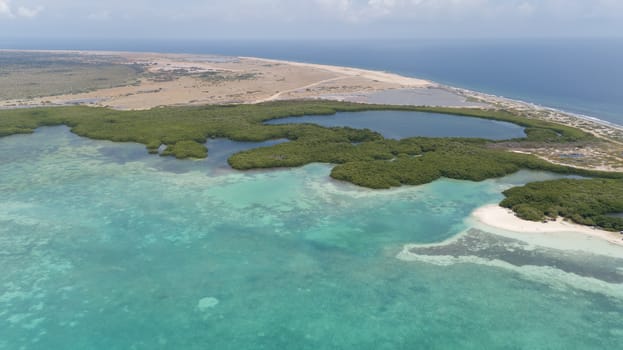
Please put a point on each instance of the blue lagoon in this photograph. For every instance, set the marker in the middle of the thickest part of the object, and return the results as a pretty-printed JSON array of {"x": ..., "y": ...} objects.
[{"x": 398, "y": 124}]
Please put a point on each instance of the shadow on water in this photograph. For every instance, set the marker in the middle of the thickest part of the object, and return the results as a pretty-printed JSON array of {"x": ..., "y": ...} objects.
[
  {"x": 518, "y": 253},
  {"x": 219, "y": 150}
]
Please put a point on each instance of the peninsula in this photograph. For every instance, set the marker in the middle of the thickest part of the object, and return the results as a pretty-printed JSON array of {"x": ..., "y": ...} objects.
[{"x": 174, "y": 103}]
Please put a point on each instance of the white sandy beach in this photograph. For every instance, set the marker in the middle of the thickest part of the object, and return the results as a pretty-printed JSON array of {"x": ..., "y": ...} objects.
[
  {"x": 356, "y": 72},
  {"x": 504, "y": 219}
]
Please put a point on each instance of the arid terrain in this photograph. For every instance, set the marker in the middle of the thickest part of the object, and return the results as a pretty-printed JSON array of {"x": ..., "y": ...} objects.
[{"x": 170, "y": 79}]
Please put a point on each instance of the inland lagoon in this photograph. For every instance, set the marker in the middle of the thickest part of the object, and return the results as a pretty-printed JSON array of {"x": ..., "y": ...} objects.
[
  {"x": 104, "y": 246},
  {"x": 403, "y": 124}
]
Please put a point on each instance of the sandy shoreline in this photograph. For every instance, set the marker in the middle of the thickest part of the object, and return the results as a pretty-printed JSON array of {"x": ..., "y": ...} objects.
[
  {"x": 497, "y": 217},
  {"x": 201, "y": 79},
  {"x": 495, "y": 236},
  {"x": 350, "y": 71}
]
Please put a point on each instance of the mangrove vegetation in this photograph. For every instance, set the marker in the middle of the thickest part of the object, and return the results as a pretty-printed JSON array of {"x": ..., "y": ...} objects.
[
  {"x": 591, "y": 202},
  {"x": 360, "y": 156}
]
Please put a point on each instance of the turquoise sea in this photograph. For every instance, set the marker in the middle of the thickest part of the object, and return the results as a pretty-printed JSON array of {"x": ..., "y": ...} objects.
[{"x": 103, "y": 246}]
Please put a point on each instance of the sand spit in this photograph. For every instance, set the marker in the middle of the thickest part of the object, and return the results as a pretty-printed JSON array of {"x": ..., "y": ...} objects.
[{"x": 504, "y": 219}]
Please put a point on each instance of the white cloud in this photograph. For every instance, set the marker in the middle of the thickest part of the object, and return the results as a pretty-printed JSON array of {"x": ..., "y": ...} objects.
[
  {"x": 6, "y": 10},
  {"x": 27, "y": 12},
  {"x": 380, "y": 8},
  {"x": 359, "y": 11},
  {"x": 321, "y": 18},
  {"x": 444, "y": 10},
  {"x": 526, "y": 8},
  {"x": 100, "y": 15}
]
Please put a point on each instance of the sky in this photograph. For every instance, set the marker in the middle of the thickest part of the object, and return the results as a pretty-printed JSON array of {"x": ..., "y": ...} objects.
[{"x": 317, "y": 19}]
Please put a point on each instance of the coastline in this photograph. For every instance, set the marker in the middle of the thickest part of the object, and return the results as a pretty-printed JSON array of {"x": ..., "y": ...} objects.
[
  {"x": 399, "y": 81},
  {"x": 173, "y": 79},
  {"x": 487, "y": 99},
  {"x": 467, "y": 93},
  {"x": 351, "y": 71},
  {"x": 593, "y": 125},
  {"x": 499, "y": 218}
]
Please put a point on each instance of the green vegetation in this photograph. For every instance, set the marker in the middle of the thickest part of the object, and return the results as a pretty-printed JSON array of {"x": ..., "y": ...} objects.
[
  {"x": 171, "y": 125},
  {"x": 363, "y": 157},
  {"x": 214, "y": 76},
  {"x": 450, "y": 158},
  {"x": 210, "y": 76},
  {"x": 185, "y": 149},
  {"x": 587, "y": 202},
  {"x": 310, "y": 143}
]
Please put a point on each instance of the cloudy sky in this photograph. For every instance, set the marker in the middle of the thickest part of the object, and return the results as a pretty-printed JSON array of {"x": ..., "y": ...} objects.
[{"x": 211, "y": 19}]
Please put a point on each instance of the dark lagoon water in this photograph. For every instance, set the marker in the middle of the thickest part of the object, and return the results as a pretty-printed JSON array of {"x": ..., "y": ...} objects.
[
  {"x": 583, "y": 76},
  {"x": 219, "y": 150},
  {"x": 398, "y": 124}
]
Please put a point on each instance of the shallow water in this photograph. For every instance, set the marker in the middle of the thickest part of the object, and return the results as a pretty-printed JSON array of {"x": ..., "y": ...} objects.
[
  {"x": 105, "y": 247},
  {"x": 399, "y": 124}
]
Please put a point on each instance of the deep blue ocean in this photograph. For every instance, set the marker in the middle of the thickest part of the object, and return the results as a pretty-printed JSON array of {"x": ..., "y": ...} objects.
[{"x": 582, "y": 76}]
